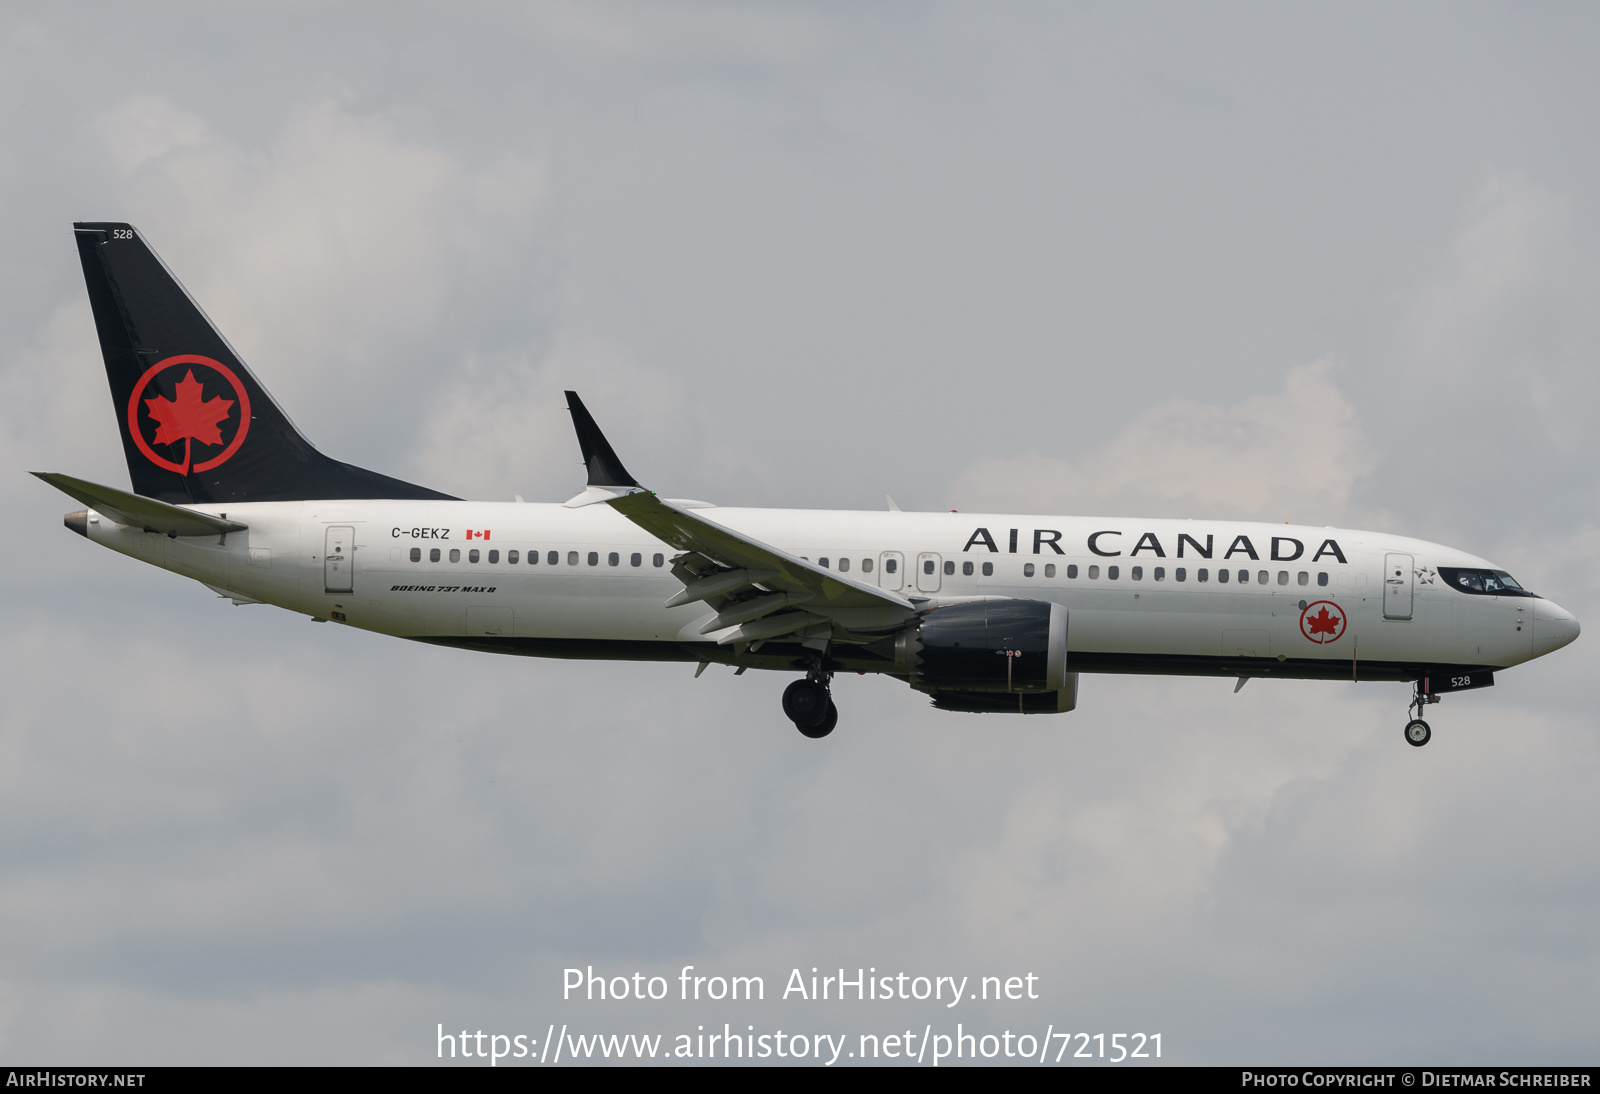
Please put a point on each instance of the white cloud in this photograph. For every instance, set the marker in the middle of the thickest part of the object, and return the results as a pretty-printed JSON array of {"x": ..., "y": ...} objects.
[
  {"x": 332, "y": 257},
  {"x": 1291, "y": 455},
  {"x": 1510, "y": 251},
  {"x": 503, "y": 427},
  {"x": 1479, "y": 389},
  {"x": 147, "y": 127},
  {"x": 65, "y": 420}
]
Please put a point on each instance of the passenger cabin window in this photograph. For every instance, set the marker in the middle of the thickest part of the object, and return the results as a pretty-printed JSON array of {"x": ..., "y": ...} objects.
[
  {"x": 572, "y": 558},
  {"x": 416, "y": 554},
  {"x": 455, "y": 555},
  {"x": 844, "y": 565},
  {"x": 594, "y": 558},
  {"x": 1322, "y": 577},
  {"x": 1111, "y": 573},
  {"x": 1161, "y": 573},
  {"x": 1261, "y": 578},
  {"x": 555, "y": 556},
  {"x": 1482, "y": 582},
  {"x": 636, "y": 559},
  {"x": 613, "y": 559},
  {"x": 1202, "y": 575},
  {"x": 889, "y": 566},
  {"x": 472, "y": 555},
  {"x": 949, "y": 568},
  {"x": 1244, "y": 577},
  {"x": 823, "y": 563},
  {"x": 1072, "y": 570},
  {"x": 988, "y": 569},
  {"x": 1283, "y": 577},
  {"x": 927, "y": 565},
  {"x": 1049, "y": 569},
  {"x": 1302, "y": 578},
  {"x": 1027, "y": 569},
  {"x": 433, "y": 555},
  {"x": 657, "y": 559},
  {"x": 866, "y": 565},
  {"x": 1180, "y": 574},
  {"x": 1137, "y": 573},
  {"x": 1222, "y": 576},
  {"x": 1094, "y": 573},
  {"x": 966, "y": 568}
]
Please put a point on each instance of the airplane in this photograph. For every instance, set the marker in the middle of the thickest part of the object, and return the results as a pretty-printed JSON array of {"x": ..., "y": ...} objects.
[{"x": 989, "y": 613}]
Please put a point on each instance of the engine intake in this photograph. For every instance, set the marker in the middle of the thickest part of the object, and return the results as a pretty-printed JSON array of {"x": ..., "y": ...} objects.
[{"x": 989, "y": 646}]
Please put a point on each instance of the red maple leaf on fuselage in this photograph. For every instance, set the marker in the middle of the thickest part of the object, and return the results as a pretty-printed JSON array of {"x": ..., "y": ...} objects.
[
  {"x": 189, "y": 417},
  {"x": 1323, "y": 622}
]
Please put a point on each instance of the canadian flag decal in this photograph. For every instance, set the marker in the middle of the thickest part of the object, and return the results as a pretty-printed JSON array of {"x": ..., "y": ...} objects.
[{"x": 477, "y": 535}]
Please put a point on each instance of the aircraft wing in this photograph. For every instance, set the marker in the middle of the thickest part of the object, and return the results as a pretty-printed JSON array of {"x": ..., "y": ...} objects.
[
  {"x": 759, "y": 590},
  {"x": 133, "y": 511}
]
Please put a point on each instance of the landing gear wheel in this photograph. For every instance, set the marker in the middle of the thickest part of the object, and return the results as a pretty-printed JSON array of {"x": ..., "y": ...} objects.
[
  {"x": 1418, "y": 733},
  {"x": 824, "y": 727},
  {"x": 806, "y": 703}
]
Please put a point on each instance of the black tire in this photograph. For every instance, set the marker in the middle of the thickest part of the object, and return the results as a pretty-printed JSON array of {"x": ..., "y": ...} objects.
[
  {"x": 824, "y": 727},
  {"x": 1418, "y": 733},
  {"x": 806, "y": 703}
]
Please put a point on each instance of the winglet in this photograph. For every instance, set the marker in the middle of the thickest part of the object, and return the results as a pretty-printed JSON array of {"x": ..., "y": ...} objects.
[{"x": 598, "y": 456}]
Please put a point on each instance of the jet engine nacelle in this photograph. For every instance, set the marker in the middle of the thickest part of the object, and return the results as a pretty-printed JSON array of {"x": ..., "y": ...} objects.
[
  {"x": 1000, "y": 702},
  {"x": 971, "y": 655}
]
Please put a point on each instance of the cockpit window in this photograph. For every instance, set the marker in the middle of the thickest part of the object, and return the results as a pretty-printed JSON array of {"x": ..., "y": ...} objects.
[{"x": 1482, "y": 582}]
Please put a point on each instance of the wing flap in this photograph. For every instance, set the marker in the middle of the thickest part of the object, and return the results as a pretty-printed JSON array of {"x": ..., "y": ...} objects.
[
  {"x": 753, "y": 587},
  {"x": 780, "y": 572}
]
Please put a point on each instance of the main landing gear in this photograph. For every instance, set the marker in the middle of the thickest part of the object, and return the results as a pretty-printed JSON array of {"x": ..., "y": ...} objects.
[
  {"x": 1418, "y": 732},
  {"x": 808, "y": 704}
]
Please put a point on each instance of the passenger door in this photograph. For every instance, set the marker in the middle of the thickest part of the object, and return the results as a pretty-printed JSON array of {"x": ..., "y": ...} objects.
[
  {"x": 338, "y": 559},
  {"x": 891, "y": 571},
  {"x": 1397, "y": 582},
  {"x": 928, "y": 573}
]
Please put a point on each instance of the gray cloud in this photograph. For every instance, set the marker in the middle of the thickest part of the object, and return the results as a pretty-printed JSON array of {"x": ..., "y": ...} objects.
[{"x": 1230, "y": 261}]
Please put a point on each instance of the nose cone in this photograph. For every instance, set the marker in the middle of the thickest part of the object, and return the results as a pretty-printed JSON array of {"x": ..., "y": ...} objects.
[{"x": 1553, "y": 627}]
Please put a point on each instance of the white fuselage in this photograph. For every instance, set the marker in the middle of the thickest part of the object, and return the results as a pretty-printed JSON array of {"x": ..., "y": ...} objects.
[{"x": 599, "y": 579}]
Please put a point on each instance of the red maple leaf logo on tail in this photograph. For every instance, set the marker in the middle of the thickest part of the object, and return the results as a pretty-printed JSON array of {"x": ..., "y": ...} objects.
[{"x": 189, "y": 417}]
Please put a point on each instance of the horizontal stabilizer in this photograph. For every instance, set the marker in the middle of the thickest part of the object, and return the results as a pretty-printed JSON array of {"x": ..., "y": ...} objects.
[{"x": 133, "y": 511}]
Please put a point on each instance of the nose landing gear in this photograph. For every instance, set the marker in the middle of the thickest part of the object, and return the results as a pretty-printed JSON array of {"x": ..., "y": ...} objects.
[
  {"x": 1418, "y": 732},
  {"x": 809, "y": 705}
]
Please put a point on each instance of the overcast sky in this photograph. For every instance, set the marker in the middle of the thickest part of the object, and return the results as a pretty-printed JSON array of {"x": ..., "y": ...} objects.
[{"x": 1332, "y": 264}]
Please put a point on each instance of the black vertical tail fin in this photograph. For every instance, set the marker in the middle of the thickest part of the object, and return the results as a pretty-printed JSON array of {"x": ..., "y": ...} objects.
[{"x": 196, "y": 425}]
